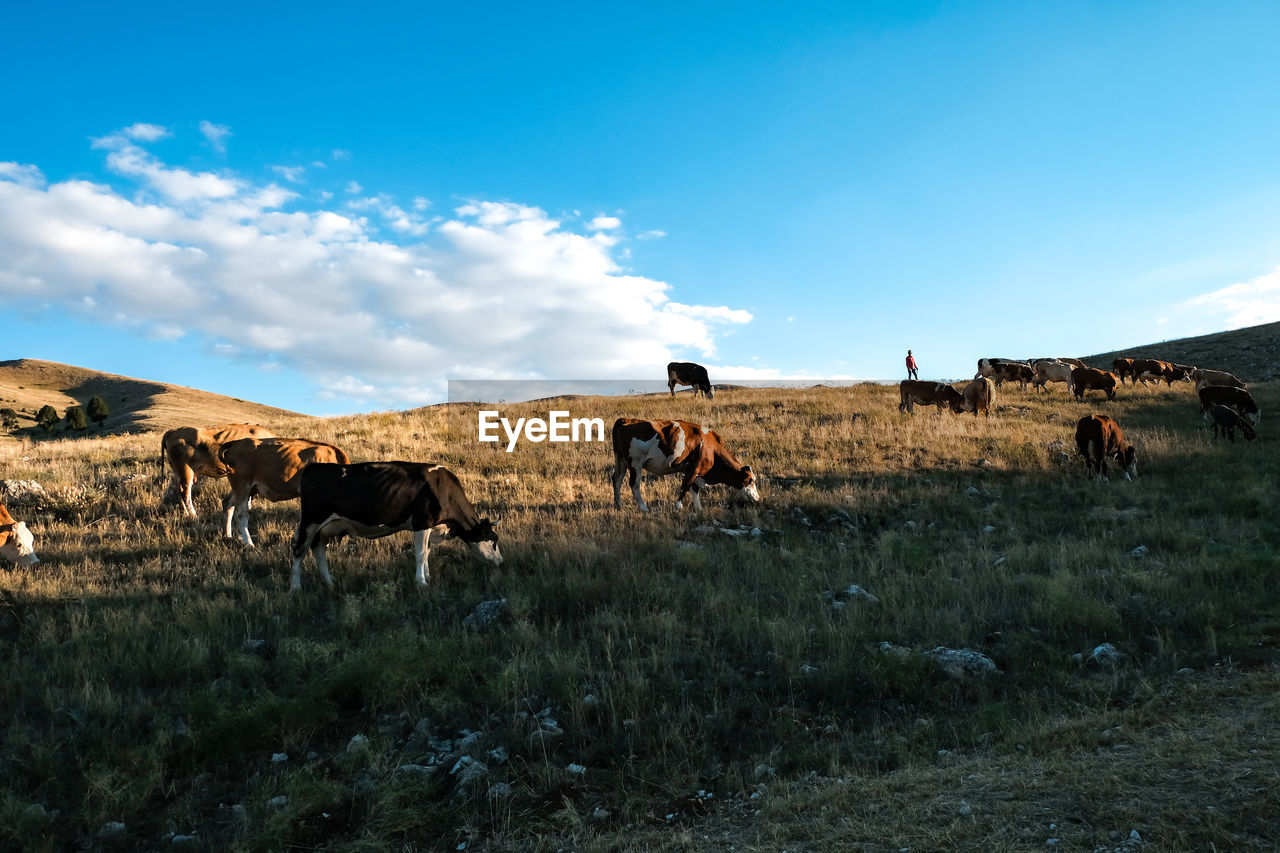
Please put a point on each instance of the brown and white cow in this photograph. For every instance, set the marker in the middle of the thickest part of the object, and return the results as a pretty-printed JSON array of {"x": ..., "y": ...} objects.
[
  {"x": 1099, "y": 438},
  {"x": 1014, "y": 371},
  {"x": 270, "y": 468},
  {"x": 1074, "y": 362},
  {"x": 375, "y": 499},
  {"x": 1052, "y": 370},
  {"x": 927, "y": 393},
  {"x": 194, "y": 450},
  {"x": 1203, "y": 376},
  {"x": 16, "y": 542},
  {"x": 688, "y": 373},
  {"x": 694, "y": 452},
  {"x": 1123, "y": 368},
  {"x": 1178, "y": 372},
  {"x": 1091, "y": 379},
  {"x": 1149, "y": 370},
  {"x": 979, "y": 395},
  {"x": 1234, "y": 398}
]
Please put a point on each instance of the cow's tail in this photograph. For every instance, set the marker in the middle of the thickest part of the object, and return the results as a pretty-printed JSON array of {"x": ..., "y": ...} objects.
[{"x": 162, "y": 448}]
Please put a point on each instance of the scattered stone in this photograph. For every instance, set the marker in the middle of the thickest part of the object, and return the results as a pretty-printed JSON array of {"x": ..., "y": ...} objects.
[
  {"x": 180, "y": 728},
  {"x": 485, "y": 613},
  {"x": 807, "y": 669},
  {"x": 1105, "y": 655},
  {"x": 910, "y": 524},
  {"x": 972, "y": 492},
  {"x": 1186, "y": 671},
  {"x": 1000, "y": 561},
  {"x": 764, "y": 771},
  {"x": 357, "y": 744},
  {"x": 500, "y": 791},
  {"x": 253, "y": 645},
  {"x": 990, "y": 528},
  {"x": 471, "y": 774},
  {"x": 1140, "y": 551},
  {"x": 498, "y": 755},
  {"x": 839, "y": 598},
  {"x": 279, "y": 757},
  {"x": 278, "y": 802},
  {"x": 23, "y": 492},
  {"x": 966, "y": 809},
  {"x": 576, "y": 769},
  {"x": 600, "y": 813},
  {"x": 421, "y": 771},
  {"x": 590, "y": 699},
  {"x": 183, "y": 840},
  {"x": 958, "y": 663},
  {"x": 111, "y": 829}
]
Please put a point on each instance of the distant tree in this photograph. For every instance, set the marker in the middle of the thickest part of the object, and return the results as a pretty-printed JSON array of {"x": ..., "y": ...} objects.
[
  {"x": 9, "y": 418},
  {"x": 97, "y": 409},
  {"x": 75, "y": 418},
  {"x": 47, "y": 418}
]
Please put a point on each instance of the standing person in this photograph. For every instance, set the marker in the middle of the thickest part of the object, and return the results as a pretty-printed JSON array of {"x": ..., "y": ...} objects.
[{"x": 912, "y": 373}]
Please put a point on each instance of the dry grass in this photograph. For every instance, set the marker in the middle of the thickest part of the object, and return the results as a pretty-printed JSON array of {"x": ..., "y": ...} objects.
[{"x": 708, "y": 663}]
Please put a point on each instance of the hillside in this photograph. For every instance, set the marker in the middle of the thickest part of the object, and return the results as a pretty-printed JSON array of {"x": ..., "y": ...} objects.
[
  {"x": 136, "y": 405},
  {"x": 1252, "y": 353},
  {"x": 932, "y": 632}
]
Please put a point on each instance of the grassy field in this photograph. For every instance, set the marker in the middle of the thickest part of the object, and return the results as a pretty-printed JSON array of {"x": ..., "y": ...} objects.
[{"x": 656, "y": 683}]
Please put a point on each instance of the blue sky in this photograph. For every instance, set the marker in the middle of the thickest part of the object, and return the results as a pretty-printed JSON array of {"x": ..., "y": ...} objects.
[{"x": 336, "y": 211}]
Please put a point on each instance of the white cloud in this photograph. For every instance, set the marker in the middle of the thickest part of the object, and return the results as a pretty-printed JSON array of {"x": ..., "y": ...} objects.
[
  {"x": 216, "y": 134},
  {"x": 292, "y": 174},
  {"x": 653, "y": 234},
  {"x": 357, "y": 299},
  {"x": 604, "y": 223},
  {"x": 340, "y": 154},
  {"x": 1248, "y": 303},
  {"x": 143, "y": 132},
  {"x": 354, "y": 188}
]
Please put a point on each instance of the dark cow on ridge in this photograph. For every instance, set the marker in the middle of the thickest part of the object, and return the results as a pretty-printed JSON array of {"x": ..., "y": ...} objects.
[
  {"x": 688, "y": 373},
  {"x": 675, "y": 447},
  {"x": 375, "y": 499},
  {"x": 926, "y": 393},
  {"x": 1099, "y": 438},
  {"x": 1123, "y": 368},
  {"x": 1231, "y": 397},
  {"x": 16, "y": 542},
  {"x": 1229, "y": 420},
  {"x": 1152, "y": 369},
  {"x": 1091, "y": 379}
]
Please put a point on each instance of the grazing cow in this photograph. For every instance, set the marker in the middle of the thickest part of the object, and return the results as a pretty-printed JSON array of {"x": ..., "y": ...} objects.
[
  {"x": 1123, "y": 368},
  {"x": 375, "y": 499},
  {"x": 1052, "y": 370},
  {"x": 688, "y": 373},
  {"x": 980, "y": 394},
  {"x": 1149, "y": 369},
  {"x": 194, "y": 450},
  {"x": 990, "y": 366},
  {"x": 1235, "y": 398},
  {"x": 16, "y": 542},
  {"x": 694, "y": 452},
  {"x": 270, "y": 468},
  {"x": 1229, "y": 420},
  {"x": 1074, "y": 362},
  {"x": 1091, "y": 379},
  {"x": 926, "y": 393},
  {"x": 1014, "y": 371},
  {"x": 1203, "y": 376},
  {"x": 1099, "y": 437}
]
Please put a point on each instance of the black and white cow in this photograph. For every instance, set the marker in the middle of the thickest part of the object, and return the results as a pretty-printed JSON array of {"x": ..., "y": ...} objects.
[
  {"x": 375, "y": 499},
  {"x": 688, "y": 373}
]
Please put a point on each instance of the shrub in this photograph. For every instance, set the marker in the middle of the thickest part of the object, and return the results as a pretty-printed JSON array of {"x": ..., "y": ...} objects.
[{"x": 47, "y": 418}]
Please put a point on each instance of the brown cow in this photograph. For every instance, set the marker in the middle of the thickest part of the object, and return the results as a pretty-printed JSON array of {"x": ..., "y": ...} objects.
[
  {"x": 1229, "y": 420},
  {"x": 1090, "y": 379},
  {"x": 980, "y": 394},
  {"x": 1233, "y": 398},
  {"x": 269, "y": 467},
  {"x": 194, "y": 450},
  {"x": 1123, "y": 368},
  {"x": 1099, "y": 437},
  {"x": 16, "y": 542},
  {"x": 1178, "y": 371},
  {"x": 675, "y": 447},
  {"x": 1152, "y": 369},
  {"x": 1203, "y": 376},
  {"x": 926, "y": 393}
]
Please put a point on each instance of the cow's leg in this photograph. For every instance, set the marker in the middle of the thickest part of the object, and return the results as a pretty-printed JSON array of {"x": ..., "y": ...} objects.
[
  {"x": 421, "y": 549},
  {"x": 689, "y": 482},
  {"x": 186, "y": 482},
  {"x": 228, "y": 511},
  {"x": 635, "y": 487},
  {"x": 619, "y": 473},
  {"x": 244, "y": 523},
  {"x": 301, "y": 538},
  {"x": 671, "y": 386},
  {"x": 322, "y": 563}
]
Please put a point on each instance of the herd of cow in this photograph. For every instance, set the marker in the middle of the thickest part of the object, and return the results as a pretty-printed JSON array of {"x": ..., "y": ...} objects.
[{"x": 375, "y": 499}]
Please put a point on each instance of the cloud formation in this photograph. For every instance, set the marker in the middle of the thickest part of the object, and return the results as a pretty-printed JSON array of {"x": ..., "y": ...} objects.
[
  {"x": 376, "y": 304},
  {"x": 1248, "y": 303}
]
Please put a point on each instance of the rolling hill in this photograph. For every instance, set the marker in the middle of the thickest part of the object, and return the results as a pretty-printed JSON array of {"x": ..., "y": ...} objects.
[
  {"x": 1252, "y": 353},
  {"x": 136, "y": 405}
]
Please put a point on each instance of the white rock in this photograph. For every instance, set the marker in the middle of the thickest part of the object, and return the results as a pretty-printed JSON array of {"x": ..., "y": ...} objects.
[
  {"x": 498, "y": 755},
  {"x": 807, "y": 669},
  {"x": 181, "y": 840},
  {"x": 958, "y": 663},
  {"x": 990, "y": 528},
  {"x": 278, "y": 802},
  {"x": 576, "y": 769},
  {"x": 500, "y": 791},
  {"x": 279, "y": 757},
  {"x": 1000, "y": 561},
  {"x": 601, "y": 814},
  {"x": 358, "y": 743},
  {"x": 972, "y": 492},
  {"x": 485, "y": 613},
  {"x": 111, "y": 829},
  {"x": 1106, "y": 655},
  {"x": 1140, "y": 551}
]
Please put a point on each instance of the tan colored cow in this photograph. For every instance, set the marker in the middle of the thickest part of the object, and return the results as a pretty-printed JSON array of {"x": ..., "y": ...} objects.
[
  {"x": 1203, "y": 376},
  {"x": 979, "y": 395},
  {"x": 269, "y": 468},
  {"x": 1051, "y": 370},
  {"x": 16, "y": 542},
  {"x": 194, "y": 450},
  {"x": 1099, "y": 438}
]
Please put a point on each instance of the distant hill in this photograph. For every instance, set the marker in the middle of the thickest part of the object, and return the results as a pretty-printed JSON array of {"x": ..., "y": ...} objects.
[
  {"x": 1252, "y": 353},
  {"x": 136, "y": 405}
]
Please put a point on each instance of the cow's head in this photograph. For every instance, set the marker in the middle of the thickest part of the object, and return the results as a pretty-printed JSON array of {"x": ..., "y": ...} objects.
[
  {"x": 1247, "y": 428},
  {"x": 17, "y": 544},
  {"x": 1129, "y": 459},
  {"x": 748, "y": 486},
  {"x": 482, "y": 538}
]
